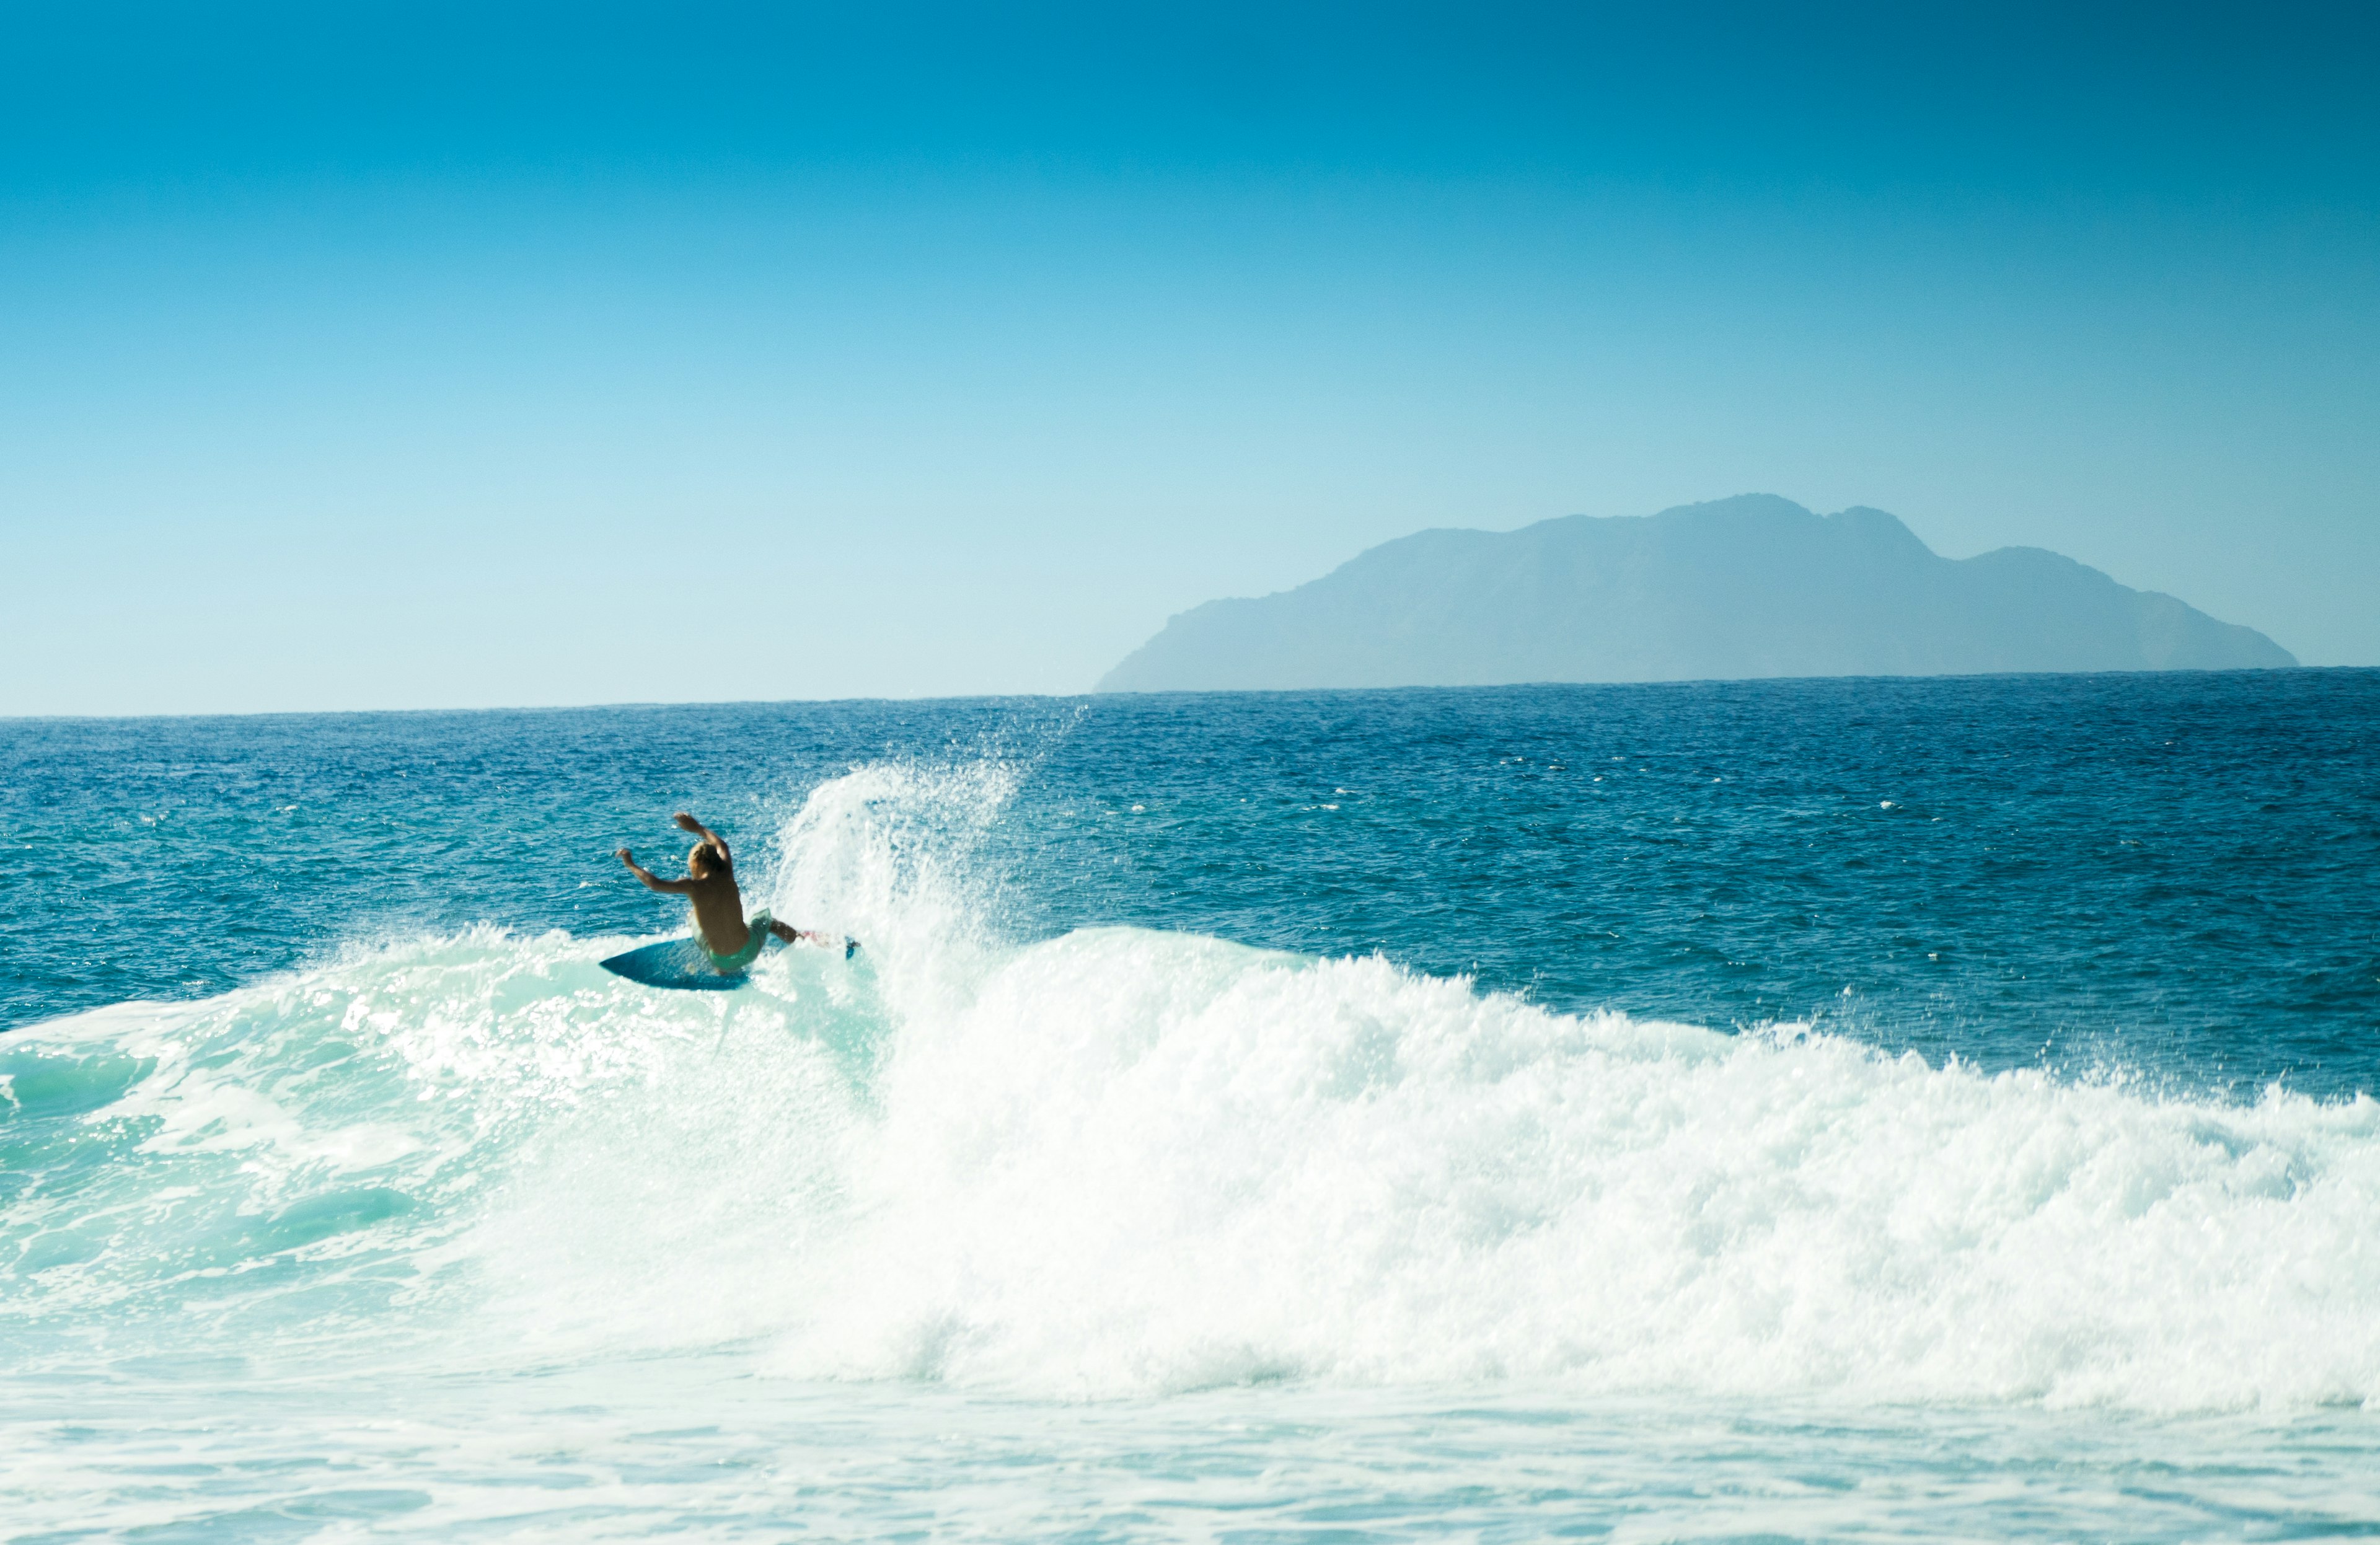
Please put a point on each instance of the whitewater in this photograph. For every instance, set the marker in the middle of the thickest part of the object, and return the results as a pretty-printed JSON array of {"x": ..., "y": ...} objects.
[{"x": 1100, "y": 1229}]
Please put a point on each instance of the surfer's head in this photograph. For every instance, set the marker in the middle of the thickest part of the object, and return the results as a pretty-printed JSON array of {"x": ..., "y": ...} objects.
[{"x": 703, "y": 862}]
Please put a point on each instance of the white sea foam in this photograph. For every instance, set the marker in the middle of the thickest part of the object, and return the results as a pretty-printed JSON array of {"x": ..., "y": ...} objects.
[
  {"x": 1125, "y": 1161},
  {"x": 1139, "y": 1161}
]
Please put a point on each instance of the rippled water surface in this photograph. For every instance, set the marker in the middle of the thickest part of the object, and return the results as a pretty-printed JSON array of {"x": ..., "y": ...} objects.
[{"x": 1902, "y": 1109}]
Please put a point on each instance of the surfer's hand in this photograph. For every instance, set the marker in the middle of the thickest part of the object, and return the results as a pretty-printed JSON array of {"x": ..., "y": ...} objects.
[
  {"x": 687, "y": 822},
  {"x": 625, "y": 856}
]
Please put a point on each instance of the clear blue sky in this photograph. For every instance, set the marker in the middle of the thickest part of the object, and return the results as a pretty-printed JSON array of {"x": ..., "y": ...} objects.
[{"x": 368, "y": 355}]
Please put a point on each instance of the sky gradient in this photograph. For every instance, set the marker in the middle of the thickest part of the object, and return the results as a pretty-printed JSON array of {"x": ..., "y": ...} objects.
[{"x": 381, "y": 357}]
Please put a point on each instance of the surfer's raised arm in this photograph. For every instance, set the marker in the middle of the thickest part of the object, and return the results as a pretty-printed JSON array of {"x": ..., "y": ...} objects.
[
  {"x": 706, "y": 835},
  {"x": 653, "y": 881}
]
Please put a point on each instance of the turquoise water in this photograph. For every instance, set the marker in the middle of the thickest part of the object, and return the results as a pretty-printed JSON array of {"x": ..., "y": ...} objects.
[{"x": 1818, "y": 1110}]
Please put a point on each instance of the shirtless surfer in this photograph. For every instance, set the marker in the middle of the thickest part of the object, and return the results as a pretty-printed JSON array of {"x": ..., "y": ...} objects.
[{"x": 720, "y": 927}]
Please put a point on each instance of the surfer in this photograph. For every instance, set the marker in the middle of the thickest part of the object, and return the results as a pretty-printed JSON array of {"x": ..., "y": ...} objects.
[{"x": 731, "y": 941}]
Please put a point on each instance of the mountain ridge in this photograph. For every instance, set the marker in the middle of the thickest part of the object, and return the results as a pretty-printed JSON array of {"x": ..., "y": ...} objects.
[{"x": 1754, "y": 586}]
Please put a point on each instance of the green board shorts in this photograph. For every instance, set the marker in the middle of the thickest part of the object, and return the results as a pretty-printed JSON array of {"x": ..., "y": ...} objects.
[{"x": 728, "y": 965}]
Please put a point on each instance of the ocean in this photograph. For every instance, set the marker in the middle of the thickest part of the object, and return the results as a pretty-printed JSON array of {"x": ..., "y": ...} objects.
[{"x": 1814, "y": 1110}]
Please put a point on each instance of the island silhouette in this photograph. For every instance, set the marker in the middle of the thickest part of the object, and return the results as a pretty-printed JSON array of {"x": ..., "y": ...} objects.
[{"x": 1747, "y": 587}]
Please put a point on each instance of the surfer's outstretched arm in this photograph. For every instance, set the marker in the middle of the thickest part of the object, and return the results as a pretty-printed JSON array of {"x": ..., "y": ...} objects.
[
  {"x": 653, "y": 881},
  {"x": 706, "y": 835}
]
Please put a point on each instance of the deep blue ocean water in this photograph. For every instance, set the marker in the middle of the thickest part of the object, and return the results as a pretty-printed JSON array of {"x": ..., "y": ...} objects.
[{"x": 1883, "y": 1108}]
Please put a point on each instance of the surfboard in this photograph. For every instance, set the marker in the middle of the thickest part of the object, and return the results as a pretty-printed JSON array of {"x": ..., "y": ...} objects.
[
  {"x": 680, "y": 963},
  {"x": 674, "y": 962}
]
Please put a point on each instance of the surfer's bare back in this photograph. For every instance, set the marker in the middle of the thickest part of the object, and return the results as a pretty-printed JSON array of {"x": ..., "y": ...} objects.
[{"x": 732, "y": 943}]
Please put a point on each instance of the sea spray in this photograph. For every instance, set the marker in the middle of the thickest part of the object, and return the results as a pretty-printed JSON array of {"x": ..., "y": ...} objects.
[{"x": 893, "y": 854}]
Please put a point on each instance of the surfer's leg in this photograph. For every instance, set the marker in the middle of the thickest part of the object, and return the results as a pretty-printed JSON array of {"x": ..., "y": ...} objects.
[{"x": 793, "y": 935}]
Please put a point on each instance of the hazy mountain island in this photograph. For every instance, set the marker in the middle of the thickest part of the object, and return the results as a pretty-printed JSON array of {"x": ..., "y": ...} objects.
[{"x": 1753, "y": 586}]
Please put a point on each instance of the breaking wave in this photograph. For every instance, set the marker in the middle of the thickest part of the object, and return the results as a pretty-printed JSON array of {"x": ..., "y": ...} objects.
[{"x": 1122, "y": 1161}]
